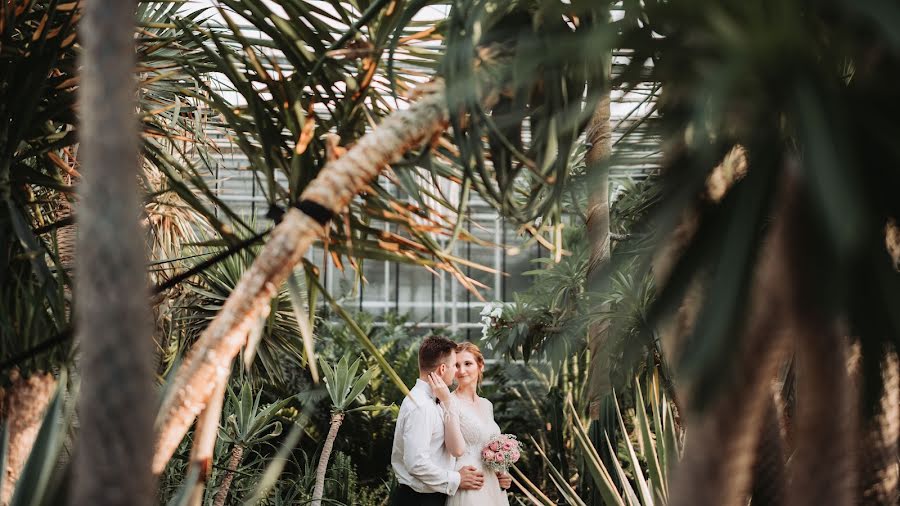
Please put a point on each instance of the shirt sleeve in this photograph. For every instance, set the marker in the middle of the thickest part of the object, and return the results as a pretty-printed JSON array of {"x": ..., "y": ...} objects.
[{"x": 417, "y": 454}]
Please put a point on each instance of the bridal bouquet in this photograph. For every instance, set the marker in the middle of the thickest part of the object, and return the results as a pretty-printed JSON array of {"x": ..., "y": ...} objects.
[{"x": 501, "y": 452}]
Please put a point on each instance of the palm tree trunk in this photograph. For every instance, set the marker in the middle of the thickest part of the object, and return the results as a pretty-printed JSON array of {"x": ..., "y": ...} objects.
[
  {"x": 892, "y": 242},
  {"x": 336, "y": 420},
  {"x": 823, "y": 468},
  {"x": 769, "y": 474},
  {"x": 66, "y": 236},
  {"x": 599, "y": 136},
  {"x": 115, "y": 447},
  {"x": 237, "y": 454},
  {"x": 721, "y": 441},
  {"x": 879, "y": 466},
  {"x": 23, "y": 404},
  {"x": 328, "y": 195},
  {"x": 786, "y": 404}
]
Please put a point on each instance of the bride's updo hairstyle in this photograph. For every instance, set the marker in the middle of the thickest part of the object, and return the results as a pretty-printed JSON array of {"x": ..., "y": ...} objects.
[{"x": 479, "y": 358}]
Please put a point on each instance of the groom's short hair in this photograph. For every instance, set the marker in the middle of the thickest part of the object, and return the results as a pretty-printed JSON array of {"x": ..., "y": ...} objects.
[{"x": 434, "y": 351}]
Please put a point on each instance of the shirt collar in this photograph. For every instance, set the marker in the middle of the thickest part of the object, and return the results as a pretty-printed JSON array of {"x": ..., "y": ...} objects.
[{"x": 425, "y": 388}]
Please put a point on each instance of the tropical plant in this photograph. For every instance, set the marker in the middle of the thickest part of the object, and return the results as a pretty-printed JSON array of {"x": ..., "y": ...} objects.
[
  {"x": 343, "y": 487},
  {"x": 44, "y": 477},
  {"x": 249, "y": 423},
  {"x": 394, "y": 336},
  {"x": 344, "y": 387},
  {"x": 116, "y": 369},
  {"x": 38, "y": 69},
  {"x": 195, "y": 380},
  {"x": 787, "y": 254},
  {"x": 547, "y": 325},
  {"x": 250, "y": 455},
  {"x": 323, "y": 191},
  {"x": 367, "y": 436},
  {"x": 39, "y": 170},
  {"x": 646, "y": 453},
  {"x": 549, "y": 320},
  {"x": 792, "y": 86},
  {"x": 782, "y": 255},
  {"x": 276, "y": 346}
]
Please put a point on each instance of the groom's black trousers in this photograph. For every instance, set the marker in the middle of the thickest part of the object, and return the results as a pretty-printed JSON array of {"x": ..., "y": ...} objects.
[{"x": 405, "y": 496}]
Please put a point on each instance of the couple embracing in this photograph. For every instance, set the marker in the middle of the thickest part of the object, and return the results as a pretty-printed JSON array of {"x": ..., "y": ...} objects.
[{"x": 440, "y": 435}]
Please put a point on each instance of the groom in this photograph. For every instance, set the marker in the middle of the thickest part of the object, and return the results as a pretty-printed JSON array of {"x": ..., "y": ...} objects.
[{"x": 423, "y": 466}]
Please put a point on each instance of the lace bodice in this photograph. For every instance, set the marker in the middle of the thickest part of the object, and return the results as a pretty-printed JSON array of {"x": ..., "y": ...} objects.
[
  {"x": 476, "y": 422},
  {"x": 477, "y": 425}
]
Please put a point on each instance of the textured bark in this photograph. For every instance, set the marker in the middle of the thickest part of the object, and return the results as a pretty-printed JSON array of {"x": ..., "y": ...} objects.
[
  {"x": 879, "y": 474},
  {"x": 237, "y": 454},
  {"x": 334, "y": 188},
  {"x": 721, "y": 442},
  {"x": 823, "y": 467},
  {"x": 113, "y": 324},
  {"x": 336, "y": 420},
  {"x": 23, "y": 404},
  {"x": 892, "y": 242},
  {"x": 205, "y": 433},
  {"x": 786, "y": 404},
  {"x": 769, "y": 473},
  {"x": 66, "y": 239},
  {"x": 66, "y": 236},
  {"x": 599, "y": 136}
]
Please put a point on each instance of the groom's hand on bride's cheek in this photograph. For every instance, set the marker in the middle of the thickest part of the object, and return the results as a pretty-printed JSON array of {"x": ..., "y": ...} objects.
[
  {"x": 505, "y": 480},
  {"x": 470, "y": 478}
]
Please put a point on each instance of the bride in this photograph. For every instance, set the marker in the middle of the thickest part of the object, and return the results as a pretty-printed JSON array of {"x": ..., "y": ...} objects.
[{"x": 468, "y": 425}]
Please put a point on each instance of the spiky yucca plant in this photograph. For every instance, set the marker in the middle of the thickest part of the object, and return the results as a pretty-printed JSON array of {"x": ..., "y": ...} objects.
[
  {"x": 649, "y": 447},
  {"x": 344, "y": 387}
]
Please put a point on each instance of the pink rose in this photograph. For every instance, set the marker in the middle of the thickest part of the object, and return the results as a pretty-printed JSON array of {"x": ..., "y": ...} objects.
[
  {"x": 494, "y": 446},
  {"x": 507, "y": 446},
  {"x": 498, "y": 457},
  {"x": 487, "y": 455},
  {"x": 514, "y": 456}
]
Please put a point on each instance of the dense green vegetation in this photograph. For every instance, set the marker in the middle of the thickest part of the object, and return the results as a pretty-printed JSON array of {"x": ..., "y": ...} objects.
[{"x": 722, "y": 333}]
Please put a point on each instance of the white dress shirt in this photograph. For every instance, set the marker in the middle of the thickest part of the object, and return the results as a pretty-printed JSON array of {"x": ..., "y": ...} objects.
[{"x": 419, "y": 457}]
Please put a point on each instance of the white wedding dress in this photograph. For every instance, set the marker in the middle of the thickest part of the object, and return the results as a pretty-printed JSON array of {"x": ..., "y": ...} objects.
[{"x": 477, "y": 426}]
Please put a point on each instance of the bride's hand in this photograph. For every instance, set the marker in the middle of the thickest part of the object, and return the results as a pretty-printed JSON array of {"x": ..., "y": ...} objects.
[
  {"x": 505, "y": 480},
  {"x": 440, "y": 389}
]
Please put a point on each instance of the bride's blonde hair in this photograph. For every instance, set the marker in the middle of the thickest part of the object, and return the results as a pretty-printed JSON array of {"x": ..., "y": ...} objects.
[{"x": 479, "y": 358}]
